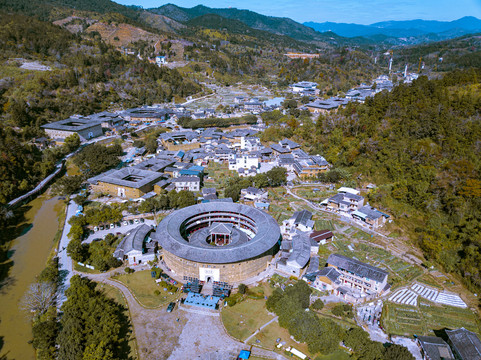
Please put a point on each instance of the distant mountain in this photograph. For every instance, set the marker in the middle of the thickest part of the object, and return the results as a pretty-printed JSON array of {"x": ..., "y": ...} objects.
[
  {"x": 404, "y": 29},
  {"x": 232, "y": 26},
  {"x": 276, "y": 25}
]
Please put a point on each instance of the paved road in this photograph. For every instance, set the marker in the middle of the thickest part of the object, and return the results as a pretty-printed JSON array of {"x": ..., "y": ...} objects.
[
  {"x": 123, "y": 230},
  {"x": 64, "y": 261}
]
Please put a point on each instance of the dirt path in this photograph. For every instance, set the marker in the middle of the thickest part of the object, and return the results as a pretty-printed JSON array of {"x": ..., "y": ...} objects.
[{"x": 259, "y": 330}]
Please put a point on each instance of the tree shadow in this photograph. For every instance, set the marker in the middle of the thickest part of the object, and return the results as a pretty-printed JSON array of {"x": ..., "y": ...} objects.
[{"x": 2, "y": 343}]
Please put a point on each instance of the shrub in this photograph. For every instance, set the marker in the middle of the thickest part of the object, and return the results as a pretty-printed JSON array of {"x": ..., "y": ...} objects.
[
  {"x": 318, "y": 304},
  {"x": 129, "y": 270},
  {"x": 242, "y": 288},
  {"x": 157, "y": 292}
]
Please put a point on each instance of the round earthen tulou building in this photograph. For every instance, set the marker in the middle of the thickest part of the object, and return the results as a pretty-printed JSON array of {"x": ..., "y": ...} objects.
[{"x": 218, "y": 241}]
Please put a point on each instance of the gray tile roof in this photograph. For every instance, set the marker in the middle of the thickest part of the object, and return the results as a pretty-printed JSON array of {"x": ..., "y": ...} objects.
[
  {"x": 357, "y": 267},
  {"x": 302, "y": 217},
  {"x": 465, "y": 343},
  {"x": 279, "y": 149},
  {"x": 371, "y": 213},
  {"x": 73, "y": 124},
  {"x": 220, "y": 228},
  {"x": 313, "y": 265},
  {"x": 289, "y": 143},
  {"x": 329, "y": 272},
  {"x": 435, "y": 347},
  {"x": 154, "y": 164},
  {"x": 170, "y": 238},
  {"x": 131, "y": 177},
  {"x": 301, "y": 251},
  {"x": 186, "y": 179},
  {"x": 133, "y": 241}
]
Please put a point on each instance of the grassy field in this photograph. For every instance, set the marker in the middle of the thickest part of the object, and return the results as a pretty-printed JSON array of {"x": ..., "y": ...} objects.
[
  {"x": 423, "y": 320},
  {"x": 113, "y": 293},
  {"x": 243, "y": 319},
  {"x": 84, "y": 269},
  {"x": 268, "y": 336},
  {"x": 143, "y": 287},
  {"x": 218, "y": 173}
]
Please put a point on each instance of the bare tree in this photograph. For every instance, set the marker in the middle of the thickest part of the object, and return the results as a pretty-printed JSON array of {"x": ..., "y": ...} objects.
[{"x": 38, "y": 298}]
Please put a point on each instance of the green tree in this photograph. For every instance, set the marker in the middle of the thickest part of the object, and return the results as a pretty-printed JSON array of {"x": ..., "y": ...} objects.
[
  {"x": 242, "y": 288},
  {"x": 68, "y": 185},
  {"x": 397, "y": 352},
  {"x": 72, "y": 143},
  {"x": 317, "y": 304},
  {"x": 277, "y": 176}
]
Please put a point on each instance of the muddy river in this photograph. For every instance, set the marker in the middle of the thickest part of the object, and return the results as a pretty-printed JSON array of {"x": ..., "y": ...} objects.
[{"x": 29, "y": 253}]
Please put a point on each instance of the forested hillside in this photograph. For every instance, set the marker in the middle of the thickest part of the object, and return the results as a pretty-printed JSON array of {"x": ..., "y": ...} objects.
[
  {"x": 86, "y": 76},
  {"x": 421, "y": 144}
]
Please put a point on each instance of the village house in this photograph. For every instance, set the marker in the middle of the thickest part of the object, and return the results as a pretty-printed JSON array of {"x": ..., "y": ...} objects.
[
  {"x": 323, "y": 106},
  {"x": 465, "y": 344},
  {"x": 289, "y": 144},
  {"x": 351, "y": 279},
  {"x": 137, "y": 247},
  {"x": 345, "y": 202},
  {"x": 370, "y": 216},
  {"x": 300, "y": 220},
  {"x": 295, "y": 254},
  {"x": 85, "y": 128},
  {"x": 321, "y": 237},
  {"x": 303, "y": 86},
  {"x": 130, "y": 182},
  {"x": 434, "y": 348},
  {"x": 252, "y": 194},
  {"x": 311, "y": 166},
  {"x": 246, "y": 161},
  {"x": 191, "y": 183}
]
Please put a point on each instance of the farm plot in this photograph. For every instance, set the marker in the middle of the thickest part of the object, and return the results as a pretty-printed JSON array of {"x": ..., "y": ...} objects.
[
  {"x": 402, "y": 320},
  {"x": 405, "y": 297},
  {"x": 398, "y": 269},
  {"x": 440, "y": 317},
  {"x": 441, "y": 297}
]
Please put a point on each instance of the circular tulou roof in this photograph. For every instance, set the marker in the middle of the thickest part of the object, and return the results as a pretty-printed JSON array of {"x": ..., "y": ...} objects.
[{"x": 169, "y": 237}]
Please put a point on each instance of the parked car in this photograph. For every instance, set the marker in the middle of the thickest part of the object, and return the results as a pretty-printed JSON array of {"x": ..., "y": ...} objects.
[
  {"x": 142, "y": 220},
  {"x": 125, "y": 223},
  {"x": 136, "y": 221},
  {"x": 170, "y": 307},
  {"x": 112, "y": 226},
  {"x": 131, "y": 222},
  {"x": 118, "y": 224},
  {"x": 101, "y": 227},
  {"x": 96, "y": 228}
]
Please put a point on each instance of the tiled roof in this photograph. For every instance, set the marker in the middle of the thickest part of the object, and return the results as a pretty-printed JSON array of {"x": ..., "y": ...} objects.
[{"x": 357, "y": 267}]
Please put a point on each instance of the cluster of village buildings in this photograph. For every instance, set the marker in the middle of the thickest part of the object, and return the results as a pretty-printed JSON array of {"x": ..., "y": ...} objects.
[{"x": 358, "y": 94}]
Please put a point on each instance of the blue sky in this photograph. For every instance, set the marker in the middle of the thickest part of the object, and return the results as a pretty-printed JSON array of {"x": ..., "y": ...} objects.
[{"x": 350, "y": 11}]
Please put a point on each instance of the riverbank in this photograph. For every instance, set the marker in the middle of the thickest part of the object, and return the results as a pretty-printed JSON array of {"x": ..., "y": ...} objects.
[{"x": 28, "y": 253}]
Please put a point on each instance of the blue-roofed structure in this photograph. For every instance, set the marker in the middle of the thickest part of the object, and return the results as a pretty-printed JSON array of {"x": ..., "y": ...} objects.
[
  {"x": 244, "y": 354},
  {"x": 204, "y": 301}
]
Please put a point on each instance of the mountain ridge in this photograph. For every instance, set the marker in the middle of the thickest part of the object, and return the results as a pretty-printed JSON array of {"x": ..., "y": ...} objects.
[{"x": 404, "y": 28}]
